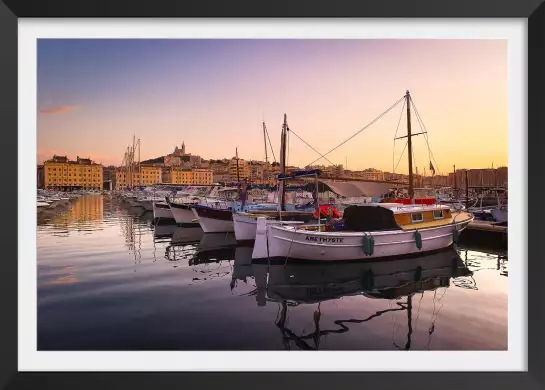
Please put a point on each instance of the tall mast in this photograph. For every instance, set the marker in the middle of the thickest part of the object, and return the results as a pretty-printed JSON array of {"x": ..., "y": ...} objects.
[
  {"x": 238, "y": 174},
  {"x": 410, "y": 145},
  {"x": 265, "y": 141},
  {"x": 283, "y": 162}
]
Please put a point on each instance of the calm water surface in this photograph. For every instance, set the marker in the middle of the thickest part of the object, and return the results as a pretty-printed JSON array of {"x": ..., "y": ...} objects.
[{"x": 110, "y": 280}]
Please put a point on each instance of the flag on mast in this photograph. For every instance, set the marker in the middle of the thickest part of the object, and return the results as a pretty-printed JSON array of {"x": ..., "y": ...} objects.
[{"x": 432, "y": 168}]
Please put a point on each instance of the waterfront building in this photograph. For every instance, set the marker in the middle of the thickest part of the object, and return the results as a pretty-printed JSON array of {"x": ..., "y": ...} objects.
[
  {"x": 222, "y": 177},
  {"x": 143, "y": 175},
  {"x": 243, "y": 169},
  {"x": 60, "y": 173},
  {"x": 196, "y": 176},
  {"x": 40, "y": 176},
  {"x": 109, "y": 177},
  {"x": 487, "y": 177}
]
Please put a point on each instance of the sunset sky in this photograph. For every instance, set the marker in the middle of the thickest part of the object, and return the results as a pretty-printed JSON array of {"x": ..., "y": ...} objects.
[{"x": 93, "y": 95}]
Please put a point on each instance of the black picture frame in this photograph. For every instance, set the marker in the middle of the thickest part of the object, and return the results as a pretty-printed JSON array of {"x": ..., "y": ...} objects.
[{"x": 11, "y": 10}]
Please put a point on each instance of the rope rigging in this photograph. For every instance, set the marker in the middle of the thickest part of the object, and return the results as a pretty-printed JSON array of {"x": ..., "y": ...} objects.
[
  {"x": 359, "y": 131},
  {"x": 306, "y": 143},
  {"x": 425, "y": 131},
  {"x": 270, "y": 144},
  {"x": 398, "y": 161},
  {"x": 397, "y": 129}
]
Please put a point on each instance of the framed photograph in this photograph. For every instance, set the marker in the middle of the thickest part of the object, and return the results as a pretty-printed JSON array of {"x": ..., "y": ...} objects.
[{"x": 290, "y": 194}]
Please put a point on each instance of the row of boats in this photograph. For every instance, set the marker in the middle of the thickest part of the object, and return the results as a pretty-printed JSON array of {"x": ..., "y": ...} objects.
[{"x": 351, "y": 228}]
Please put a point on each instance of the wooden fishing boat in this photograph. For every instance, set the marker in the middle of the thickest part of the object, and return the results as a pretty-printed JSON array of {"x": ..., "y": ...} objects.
[
  {"x": 370, "y": 231},
  {"x": 367, "y": 231}
]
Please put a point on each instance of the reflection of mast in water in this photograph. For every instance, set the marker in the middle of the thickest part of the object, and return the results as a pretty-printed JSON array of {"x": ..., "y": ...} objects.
[
  {"x": 294, "y": 285},
  {"x": 133, "y": 238}
]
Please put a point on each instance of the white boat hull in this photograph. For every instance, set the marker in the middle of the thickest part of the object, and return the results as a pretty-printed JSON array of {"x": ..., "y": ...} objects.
[
  {"x": 288, "y": 242},
  {"x": 160, "y": 212},
  {"x": 244, "y": 227},
  {"x": 183, "y": 216},
  {"x": 212, "y": 225}
]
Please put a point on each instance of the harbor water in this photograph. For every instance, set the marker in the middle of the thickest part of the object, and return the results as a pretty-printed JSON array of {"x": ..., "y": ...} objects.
[{"x": 109, "y": 279}]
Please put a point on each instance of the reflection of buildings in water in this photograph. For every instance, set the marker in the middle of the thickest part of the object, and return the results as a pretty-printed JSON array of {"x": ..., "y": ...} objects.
[
  {"x": 295, "y": 283},
  {"x": 87, "y": 210}
]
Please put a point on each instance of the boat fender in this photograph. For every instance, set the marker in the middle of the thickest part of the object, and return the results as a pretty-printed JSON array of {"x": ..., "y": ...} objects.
[
  {"x": 365, "y": 245},
  {"x": 418, "y": 239},
  {"x": 455, "y": 236},
  {"x": 368, "y": 245}
]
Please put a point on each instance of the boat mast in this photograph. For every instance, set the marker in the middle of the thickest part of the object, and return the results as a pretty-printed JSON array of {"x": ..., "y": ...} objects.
[
  {"x": 238, "y": 174},
  {"x": 410, "y": 145},
  {"x": 283, "y": 163},
  {"x": 265, "y": 142}
]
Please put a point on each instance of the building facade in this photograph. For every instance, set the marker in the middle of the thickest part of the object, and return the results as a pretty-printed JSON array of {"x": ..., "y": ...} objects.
[
  {"x": 195, "y": 176},
  {"x": 243, "y": 169},
  {"x": 479, "y": 178},
  {"x": 145, "y": 175},
  {"x": 41, "y": 179},
  {"x": 109, "y": 177},
  {"x": 63, "y": 174}
]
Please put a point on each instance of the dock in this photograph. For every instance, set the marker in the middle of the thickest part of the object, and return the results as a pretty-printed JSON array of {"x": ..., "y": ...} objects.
[
  {"x": 485, "y": 233},
  {"x": 487, "y": 226}
]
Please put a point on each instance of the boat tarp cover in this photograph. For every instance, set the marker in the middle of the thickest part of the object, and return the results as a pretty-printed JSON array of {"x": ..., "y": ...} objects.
[
  {"x": 369, "y": 218},
  {"x": 356, "y": 188},
  {"x": 299, "y": 173}
]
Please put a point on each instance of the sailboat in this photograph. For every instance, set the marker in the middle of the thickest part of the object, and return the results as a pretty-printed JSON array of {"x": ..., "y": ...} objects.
[
  {"x": 245, "y": 220},
  {"x": 369, "y": 231}
]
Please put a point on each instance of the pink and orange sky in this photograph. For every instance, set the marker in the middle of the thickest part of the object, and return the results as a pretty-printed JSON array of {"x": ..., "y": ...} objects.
[{"x": 93, "y": 95}]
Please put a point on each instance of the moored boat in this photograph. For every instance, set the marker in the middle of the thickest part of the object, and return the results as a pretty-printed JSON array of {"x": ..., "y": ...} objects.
[
  {"x": 181, "y": 211},
  {"x": 370, "y": 231},
  {"x": 161, "y": 211},
  {"x": 214, "y": 220},
  {"x": 366, "y": 231}
]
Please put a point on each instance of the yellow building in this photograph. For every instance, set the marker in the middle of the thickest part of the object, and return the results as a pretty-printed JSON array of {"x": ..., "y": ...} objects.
[
  {"x": 243, "y": 169},
  {"x": 188, "y": 176},
  {"x": 146, "y": 175},
  {"x": 63, "y": 174}
]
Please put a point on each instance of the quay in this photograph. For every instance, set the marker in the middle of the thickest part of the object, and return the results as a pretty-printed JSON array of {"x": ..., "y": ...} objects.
[{"x": 487, "y": 234}]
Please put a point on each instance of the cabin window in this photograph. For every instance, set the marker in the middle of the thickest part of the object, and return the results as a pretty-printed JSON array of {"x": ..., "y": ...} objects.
[
  {"x": 437, "y": 214},
  {"x": 417, "y": 217}
]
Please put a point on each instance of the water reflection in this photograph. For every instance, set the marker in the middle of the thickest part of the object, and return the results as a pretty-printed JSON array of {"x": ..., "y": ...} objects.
[
  {"x": 82, "y": 214},
  {"x": 295, "y": 284},
  {"x": 115, "y": 284}
]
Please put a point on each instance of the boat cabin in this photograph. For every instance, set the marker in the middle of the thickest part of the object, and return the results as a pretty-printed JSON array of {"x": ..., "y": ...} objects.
[{"x": 393, "y": 216}]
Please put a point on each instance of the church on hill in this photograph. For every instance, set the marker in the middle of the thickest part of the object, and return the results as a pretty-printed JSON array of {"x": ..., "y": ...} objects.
[{"x": 180, "y": 156}]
